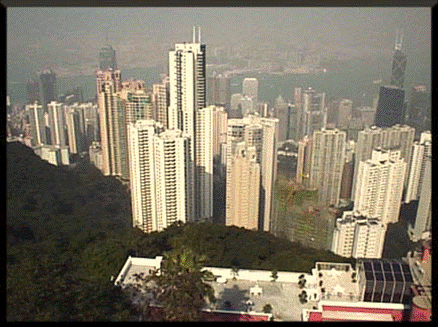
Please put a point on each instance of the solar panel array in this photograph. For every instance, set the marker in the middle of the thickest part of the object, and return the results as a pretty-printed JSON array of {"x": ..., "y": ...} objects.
[{"x": 387, "y": 281}]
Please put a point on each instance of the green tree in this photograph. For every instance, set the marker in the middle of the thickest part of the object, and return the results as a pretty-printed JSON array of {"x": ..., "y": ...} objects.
[
  {"x": 267, "y": 308},
  {"x": 180, "y": 289}
]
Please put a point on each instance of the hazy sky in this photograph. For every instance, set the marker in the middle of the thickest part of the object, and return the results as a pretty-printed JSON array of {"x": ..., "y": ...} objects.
[{"x": 61, "y": 37}]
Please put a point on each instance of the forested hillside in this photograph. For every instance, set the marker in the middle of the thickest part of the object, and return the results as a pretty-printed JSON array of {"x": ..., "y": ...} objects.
[{"x": 69, "y": 232}]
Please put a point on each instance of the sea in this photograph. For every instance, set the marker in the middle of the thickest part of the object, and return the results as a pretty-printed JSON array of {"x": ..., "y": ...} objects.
[{"x": 355, "y": 81}]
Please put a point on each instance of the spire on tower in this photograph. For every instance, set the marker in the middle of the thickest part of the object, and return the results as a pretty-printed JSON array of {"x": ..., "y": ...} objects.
[
  {"x": 199, "y": 34},
  {"x": 398, "y": 39},
  {"x": 194, "y": 34}
]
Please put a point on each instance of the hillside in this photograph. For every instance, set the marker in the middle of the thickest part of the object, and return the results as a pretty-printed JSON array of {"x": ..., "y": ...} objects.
[{"x": 69, "y": 232}]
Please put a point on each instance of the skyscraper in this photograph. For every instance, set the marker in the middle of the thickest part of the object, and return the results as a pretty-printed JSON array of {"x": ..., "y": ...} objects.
[
  {"x": 48, "y": 86},
  {"x": 281, "y": 111},
  {"x": 160, "y": 93},
  {"x": 187, "y": 97},
  {"x": 112, "y": 125},
  {"x": 419, "y": 116},
  {"x": 57, "y": 123},
  {"x": 159, "y": 170},
  {"x": 243, "y": 206},
  {"x": 313, "y": 112},
  {"x": 107, "y": 58},
  {"x": 136, "y": 102},
  {"x": 423, "y": 223},
  {"x": 75, "y": 121},
  {"x": 421, "y": 150},
  {"x": 344, "y": 113},
  {"x": 390, "y": 107},
  {"x": 219, "y": 130},
  {"x": 262, "y": 133},
  {"x": 398, "y": 64},
  {"x": 250, "y": 87},
  {"x": 36, "y": 118},
  {"x": 379, "y": 186},
  {"x": 33, "y": 91},
  {"x": 219, "y": 90},
  {"x": 327, "y": 163}
]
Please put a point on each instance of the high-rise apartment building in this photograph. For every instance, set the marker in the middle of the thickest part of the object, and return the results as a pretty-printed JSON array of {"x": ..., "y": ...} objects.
[
  {"x": 396, "y": 137},
  {"x": 243, "y": 210},
  {"x": 36, "y": 118},
  {"x": 421, "y": 150},
  {"x": 75, "y": 122},
  {"x": 379, "y": 186},
  {"x": 262, "y": 133},
  {"x": 159, "y": 175},
  {"x": 421, "y": 229},
  {"x": 303, "y": 160},
  {"x": 107, "y": 58},
  {"x": 136, "y": 102},
  {"x": 92, "y": 133},
  {"x": 112, "y": 125},
  {"x": 187, "y": 82},
  {"x": 250, "y": 87},
  {"x": 219, "y": 90},
  {"x": 220, "y": 126},
  {"x": 357, "y": 236},
  {"x": 48, "y": 86},
  {"x": 390, "y": 107},
  {"x": 345, "y": 113},
  {"x": 57, "y": 123},
  {"x": 281, "y": 111},
  {"x": 327, "y": 163},
  {"x": 160, "y": 96}
]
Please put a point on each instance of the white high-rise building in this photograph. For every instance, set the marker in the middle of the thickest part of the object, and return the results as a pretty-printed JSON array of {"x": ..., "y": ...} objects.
[
  {"x": 420, "y": 151},
  {"x": 327, "y": 163},
  {"x": 219, "y": 130},
  {"x": 243, "y": 209},
  {"x": 314, "y": 116},
  {"x": 159, "y": 171},
  {"x": 262, "y": 133},
  {"x": 187, "y": 96},
  {"x": 399, "y": 137},
  {"x": 379, "y": 186},
  {"x": 160, "y": 93},
  {"x": 56, "y": 123},
  {"x": 112, "y": 125},
  {"x": 357, "y": 236},
  {"x": 421, "y": 229},
  {"x": 38, "y": 127},
  {"x": 137, "y": 103}
]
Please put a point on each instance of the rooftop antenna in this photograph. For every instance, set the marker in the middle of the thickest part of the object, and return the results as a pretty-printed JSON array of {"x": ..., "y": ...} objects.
[
  {"x": 194, "y": 34},
  {"x": 199, "y": 34}
]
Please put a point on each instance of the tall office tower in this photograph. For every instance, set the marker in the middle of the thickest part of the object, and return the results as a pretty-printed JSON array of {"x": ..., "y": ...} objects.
[
  {"x": 344, "y": 113},
  {"x": 398, "y": 63},
  {"x": 243, "y": 209},
  {"x": 314, "y": 115},
  {"x": 421, "y": 150},
  {"x": 390, "y": 108},
  {"x": 422, "y": 227},
  {"x": 262, "y": 133},
  {"x": 38, "y": 127},
  {"x": 112, "y": 125},
  {"x": 379, "y": 186},
  {"x": 419, "y": 116},
  {"x": 359, "y": 237},
  {"x": 136, "y": 102},
  {"x": 303, "y": 160},
  {"x": 107, "y": 58},
  {"x": 160, "y": 99},
  {"x": 159, "y": 173},
  {"x": 187, "y": 98},
  {"x": 234, "y": 102},
  {"x": 91, "y": 120},
  {"x": 48, "y": 86},
  {"x": 250, "y": 87},
  {"x": 219, "y": 130},
  {"x": 56, "y": 123},
  {"x": 327, "y": 163},
  {"x": 33, "y": 91},
  {"x": 219, "y": 90},
  {"x": 281, "y": 111},
  {"x": 367, "y": 114}
]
